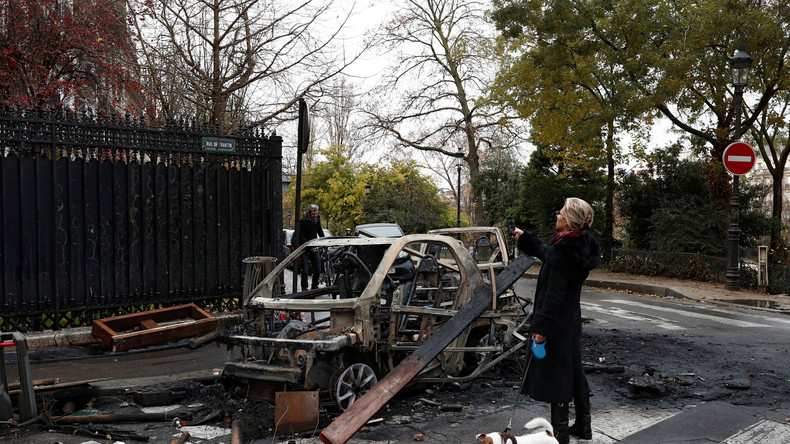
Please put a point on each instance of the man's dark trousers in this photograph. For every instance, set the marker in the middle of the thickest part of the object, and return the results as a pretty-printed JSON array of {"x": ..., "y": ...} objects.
[{"x": 311, "y": 261}]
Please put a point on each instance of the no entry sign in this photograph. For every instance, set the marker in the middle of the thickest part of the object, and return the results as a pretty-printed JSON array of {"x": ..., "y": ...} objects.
[{"x": 738, "y": 158}]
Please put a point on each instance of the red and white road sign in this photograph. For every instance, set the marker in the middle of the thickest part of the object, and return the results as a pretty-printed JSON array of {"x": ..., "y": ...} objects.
[{"x": 738, "y": 158}]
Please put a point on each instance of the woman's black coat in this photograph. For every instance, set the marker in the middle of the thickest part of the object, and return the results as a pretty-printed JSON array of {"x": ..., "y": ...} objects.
[{"x": 559, "y": 376}]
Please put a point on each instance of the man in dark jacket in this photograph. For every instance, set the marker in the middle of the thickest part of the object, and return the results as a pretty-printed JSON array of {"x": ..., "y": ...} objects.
[
  {"x": 556, "y": 318},
  {"x": 309, "y": 229}
]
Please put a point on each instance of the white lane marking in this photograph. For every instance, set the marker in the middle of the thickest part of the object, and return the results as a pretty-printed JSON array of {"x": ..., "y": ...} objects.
[
  {"x": 719, "y": 319},
  {"x": 764, "y": 432},
  {"x": 666, "y": 324},
  {"x": 612, "y": 425}
]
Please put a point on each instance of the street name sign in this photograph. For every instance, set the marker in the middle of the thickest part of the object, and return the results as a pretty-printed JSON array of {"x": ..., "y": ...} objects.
[
  {"x": 738, "y": 158},
  {"x": 218, "y": 144}
]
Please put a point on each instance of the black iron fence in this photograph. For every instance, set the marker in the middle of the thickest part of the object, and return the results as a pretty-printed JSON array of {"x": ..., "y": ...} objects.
[{"x": 102, "y": 216}]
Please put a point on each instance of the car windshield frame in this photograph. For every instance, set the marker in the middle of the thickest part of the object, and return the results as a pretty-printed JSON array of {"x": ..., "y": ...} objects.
[{"x": 382, "y": 230}]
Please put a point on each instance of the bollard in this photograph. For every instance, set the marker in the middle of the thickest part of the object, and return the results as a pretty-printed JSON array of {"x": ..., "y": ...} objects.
[{"x": 27, "y": 398}]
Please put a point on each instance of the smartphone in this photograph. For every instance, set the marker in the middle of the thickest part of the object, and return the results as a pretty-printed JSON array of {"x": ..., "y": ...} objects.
[{"x": 511, "y": 225}]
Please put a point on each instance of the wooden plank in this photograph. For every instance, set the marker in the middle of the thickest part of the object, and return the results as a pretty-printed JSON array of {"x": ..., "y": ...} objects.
[
  {"x": 148, "y": 324},
  {"x": 345, "y": 425},
  {"x": 163, "y": 334},
  {"x": 101, "y": 331}
]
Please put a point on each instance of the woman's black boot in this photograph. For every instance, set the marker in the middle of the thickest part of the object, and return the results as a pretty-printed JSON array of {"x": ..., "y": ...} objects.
[
  {"x": 559, "y": 420},
  {"x": 582, "y": 426}
]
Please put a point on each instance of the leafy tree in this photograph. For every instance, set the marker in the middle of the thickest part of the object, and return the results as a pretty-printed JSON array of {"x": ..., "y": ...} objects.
[
  {"x": 433, "y": 99},
  {"x": 673, "y": 56},
  {"x": 399, "y": 194},
  {"x": 687, "y": 225},
  {"x": 546, "y": 182},
  {"x": 67, "y": 53},
  {"x": 754, "y": 224},
  {"x": 499, "y": 185},
  {"x": 337, "y": 186},
  {"x": 572, "y": 94},
  {"x": 666, "y": 207}
]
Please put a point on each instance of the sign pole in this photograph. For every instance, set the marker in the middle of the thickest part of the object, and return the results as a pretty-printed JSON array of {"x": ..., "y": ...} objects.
[
  {"x": 302, "y": 143},
  {"x": 733, "y": 275}
]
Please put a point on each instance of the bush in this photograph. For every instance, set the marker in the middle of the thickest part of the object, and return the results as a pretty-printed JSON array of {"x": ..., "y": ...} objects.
[
  {"x": 697, "y": 267},
  {"x": 675, "y": 265}
]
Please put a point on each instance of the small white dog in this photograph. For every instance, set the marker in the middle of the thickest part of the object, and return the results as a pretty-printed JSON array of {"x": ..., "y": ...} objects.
[{"x": 545, "y": 435}]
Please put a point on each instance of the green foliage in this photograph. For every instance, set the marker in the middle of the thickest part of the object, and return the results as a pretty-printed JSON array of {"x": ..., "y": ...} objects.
[
  {"x": 667, "y": 208},
  {"x": 399, "y": 194},
  {"x": 337, "y": 186},
  {"x": 693, "y": 266},
  {"x": 546, "y": 182},
  {"x": 686, "y": 225},
  {"x": 752, "y": 221},
  {"x": 499, "y": 185},
  {"x": 625, "y": 60}
]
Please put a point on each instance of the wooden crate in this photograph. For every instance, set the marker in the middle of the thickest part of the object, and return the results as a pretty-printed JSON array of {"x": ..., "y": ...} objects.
[{"x": 153, "y": 326}]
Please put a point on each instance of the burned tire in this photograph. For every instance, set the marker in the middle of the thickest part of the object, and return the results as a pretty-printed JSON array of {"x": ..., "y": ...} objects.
[{"x": 350, "y": 384}]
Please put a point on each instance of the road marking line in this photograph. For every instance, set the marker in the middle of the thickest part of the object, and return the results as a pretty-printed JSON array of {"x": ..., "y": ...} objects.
[
  {"x": 666, "y": 324},
  {"x": 719, "y": 319},
  {"x": 622, "y": 422},
  {"x": 764, "y": 432}
]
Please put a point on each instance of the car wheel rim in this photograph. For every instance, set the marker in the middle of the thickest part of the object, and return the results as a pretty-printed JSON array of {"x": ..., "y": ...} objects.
[{"x": 354, "y": 382}]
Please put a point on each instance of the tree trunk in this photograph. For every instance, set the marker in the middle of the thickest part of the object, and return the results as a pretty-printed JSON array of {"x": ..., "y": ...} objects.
[
  {"x": 476, "y": 210},
  {"x": 719, "y": 180},
  {"x": 607, "y": 239}
]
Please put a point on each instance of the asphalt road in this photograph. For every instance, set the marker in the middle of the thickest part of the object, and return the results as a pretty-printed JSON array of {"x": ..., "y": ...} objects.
[{"x": 690, "y": 372}]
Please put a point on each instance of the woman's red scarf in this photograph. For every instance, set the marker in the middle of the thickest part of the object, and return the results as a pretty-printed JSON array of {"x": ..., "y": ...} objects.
[{"x": 560, "y": 234}]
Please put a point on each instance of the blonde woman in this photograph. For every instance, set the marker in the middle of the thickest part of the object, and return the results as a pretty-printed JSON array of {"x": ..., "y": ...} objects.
[{"x": 556, "y": 318}]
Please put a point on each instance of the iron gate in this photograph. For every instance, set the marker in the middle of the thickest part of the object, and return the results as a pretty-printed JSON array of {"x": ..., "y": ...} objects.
[{"x": 103, "y": 216}]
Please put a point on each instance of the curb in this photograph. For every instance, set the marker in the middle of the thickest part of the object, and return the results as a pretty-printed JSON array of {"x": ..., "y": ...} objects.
[
  {"x": 83, "y": 335},
  {"x": 658, "y": 290},
  {"x": 662, "y": 291}
]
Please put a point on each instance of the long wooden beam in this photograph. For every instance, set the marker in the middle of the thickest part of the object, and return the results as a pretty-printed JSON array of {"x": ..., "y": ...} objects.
[{"x": 345, "y": 425}]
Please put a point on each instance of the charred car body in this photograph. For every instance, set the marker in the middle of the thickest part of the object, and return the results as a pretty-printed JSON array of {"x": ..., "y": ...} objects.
[
  {"x": 385, "y": 298},
  {"x": 487, "y": 245}
]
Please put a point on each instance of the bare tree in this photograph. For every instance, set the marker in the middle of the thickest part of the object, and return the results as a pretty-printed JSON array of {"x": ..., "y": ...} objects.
[
  {"x": 336, "y": 114},
  {"x": 433, "y": 99},
  {"x": 238, "y": 62}
]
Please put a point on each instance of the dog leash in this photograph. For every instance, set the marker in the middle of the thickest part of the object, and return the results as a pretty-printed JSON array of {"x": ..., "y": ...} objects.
[{"x": 521, "y": 386}]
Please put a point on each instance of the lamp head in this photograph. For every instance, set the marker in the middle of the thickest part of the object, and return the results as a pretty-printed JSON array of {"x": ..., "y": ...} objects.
[{"x": 740, "y": 64}]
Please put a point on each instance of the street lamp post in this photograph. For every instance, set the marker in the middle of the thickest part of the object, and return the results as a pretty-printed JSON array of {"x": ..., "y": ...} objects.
[
  {"x": 740, "y": 64},
  {"x": 460, "y": 156}
]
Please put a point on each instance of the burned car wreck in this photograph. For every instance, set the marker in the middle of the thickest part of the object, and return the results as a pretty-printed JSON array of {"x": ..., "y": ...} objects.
[{"x": 382, "y": 298}]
